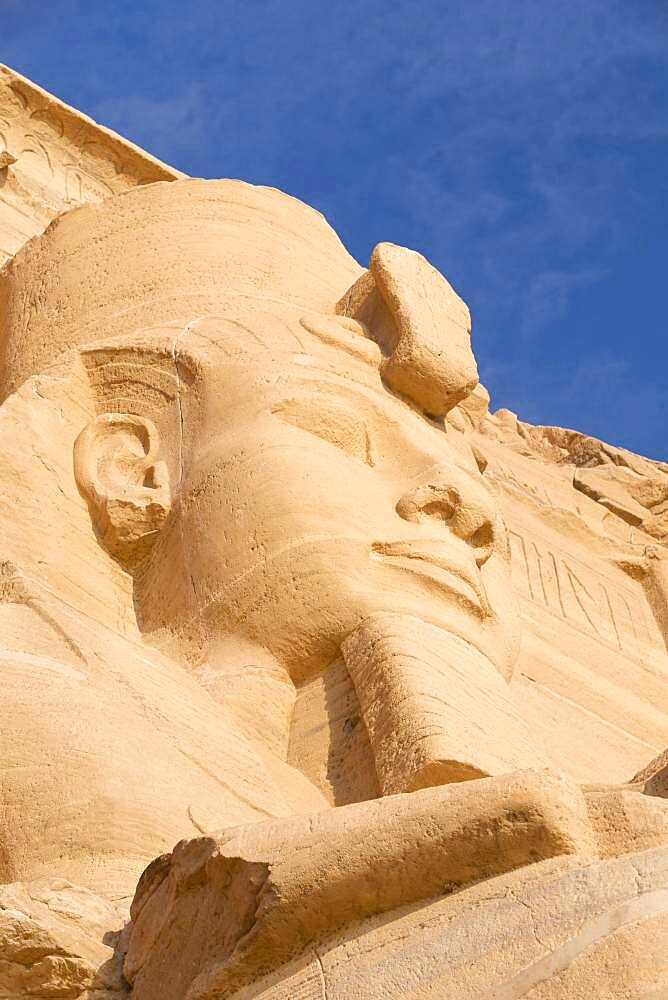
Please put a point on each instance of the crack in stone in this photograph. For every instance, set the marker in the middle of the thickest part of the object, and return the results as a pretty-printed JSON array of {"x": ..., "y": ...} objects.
[
  {"x": 559, "y": 958},
  {"x": 178, "y": 337},
  {"x": 513, "y": 895},
  {"x": 321, "y": 971}
]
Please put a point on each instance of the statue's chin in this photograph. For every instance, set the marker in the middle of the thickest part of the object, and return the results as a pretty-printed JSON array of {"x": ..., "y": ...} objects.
[
  {"x": 470, "y": 619},
  {"x": 311, "y": 613},
  {"x": 306, "y": 645}
]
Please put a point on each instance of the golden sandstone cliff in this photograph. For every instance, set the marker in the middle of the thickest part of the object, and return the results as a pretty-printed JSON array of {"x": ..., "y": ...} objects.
[{"x": 320, "y": 680}]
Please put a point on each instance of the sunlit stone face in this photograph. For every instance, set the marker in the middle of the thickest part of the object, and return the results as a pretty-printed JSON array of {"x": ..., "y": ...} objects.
[{"x": 311, "y": 497}]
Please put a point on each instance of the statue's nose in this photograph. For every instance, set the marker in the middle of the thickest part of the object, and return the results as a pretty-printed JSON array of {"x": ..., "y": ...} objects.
[{"x": 454, "y": 499}]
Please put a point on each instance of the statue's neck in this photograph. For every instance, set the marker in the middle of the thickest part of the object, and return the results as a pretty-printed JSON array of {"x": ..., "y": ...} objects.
[{"x": 254, "y": 687}]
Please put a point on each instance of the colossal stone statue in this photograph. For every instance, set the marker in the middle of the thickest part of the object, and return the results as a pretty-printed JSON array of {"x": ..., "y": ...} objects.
[
  {"x": 260, "y": 508},
  {"x": 259, "y": 596}
]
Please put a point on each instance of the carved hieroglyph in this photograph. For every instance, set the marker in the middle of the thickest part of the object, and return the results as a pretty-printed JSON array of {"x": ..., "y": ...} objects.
[
  {"x": 276, "y": 585},
  {"x": 52, "y": 158}
]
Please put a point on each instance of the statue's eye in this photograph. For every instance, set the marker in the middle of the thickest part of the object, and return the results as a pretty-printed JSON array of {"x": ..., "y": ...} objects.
[{"x": 331, "y": 422}]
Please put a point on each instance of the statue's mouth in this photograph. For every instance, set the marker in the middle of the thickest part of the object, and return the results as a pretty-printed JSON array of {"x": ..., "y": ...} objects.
[{"x": 435, "y": 560}]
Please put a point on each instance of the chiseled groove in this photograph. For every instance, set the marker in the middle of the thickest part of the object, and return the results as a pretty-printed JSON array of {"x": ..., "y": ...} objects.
[
  {"x": 649, "y": 904},
  {"x": 180, "y": 335}
]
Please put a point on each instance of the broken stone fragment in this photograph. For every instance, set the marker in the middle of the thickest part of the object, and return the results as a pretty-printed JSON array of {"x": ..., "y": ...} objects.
[
  {"x": 59, "y": 940},
  {"x": 654, "y": 777},
  {"x": 421, "y": 325},
  {"x": 238, "y": 904}
]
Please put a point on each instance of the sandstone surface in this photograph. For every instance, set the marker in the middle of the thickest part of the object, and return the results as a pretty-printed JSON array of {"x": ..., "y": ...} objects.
[
  {"x": 52, "y": 158},
  {"x": 59, "y": 940},
  {"x": 320, "y": 678}
]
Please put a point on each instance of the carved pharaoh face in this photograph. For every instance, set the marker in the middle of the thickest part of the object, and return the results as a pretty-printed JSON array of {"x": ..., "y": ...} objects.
[
  {"x": 277, "y": 474},
  {"x": 294, "y": 495}
]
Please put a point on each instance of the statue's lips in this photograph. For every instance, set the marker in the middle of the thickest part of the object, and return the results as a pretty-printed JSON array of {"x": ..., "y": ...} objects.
[{"x": 435, "y": 559}]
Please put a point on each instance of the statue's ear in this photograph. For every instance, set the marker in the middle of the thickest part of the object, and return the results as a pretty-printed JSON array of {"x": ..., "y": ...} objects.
[{"x": 127, "y": 489}]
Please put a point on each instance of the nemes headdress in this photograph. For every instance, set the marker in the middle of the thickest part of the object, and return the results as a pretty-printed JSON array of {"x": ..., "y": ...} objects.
[{"x": 169, "y": 252}]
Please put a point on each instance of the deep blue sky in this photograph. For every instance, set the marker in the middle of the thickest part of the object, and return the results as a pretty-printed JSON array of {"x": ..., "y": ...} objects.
[{"x": 521, "y": 145}]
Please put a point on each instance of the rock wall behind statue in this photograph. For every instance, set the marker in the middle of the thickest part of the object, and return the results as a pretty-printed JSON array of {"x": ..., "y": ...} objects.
[{"x": 589, "y": 571}]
